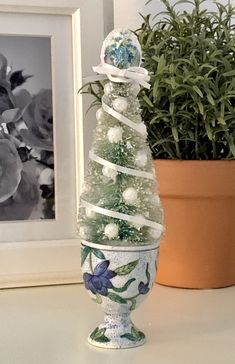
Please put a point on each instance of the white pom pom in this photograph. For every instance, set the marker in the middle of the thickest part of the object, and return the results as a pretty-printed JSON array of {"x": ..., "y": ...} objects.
[
  {"x": 141, "y": 158},
  {"x": 46, "y": 177},
  {"x": 84, "y": 230},
  {"x": 109, "y": 172},
  {"x": 155, "y": 199},
  {"x": 128, "y": 145},
  {"x": 111, "y": 231},
  {"x": 99, "y": 113},
  {"x": 90, "y": 213},
  {"x": 85, "y": 188},
  {"x": 135, "y": 89},
  {"x": 115, "y": 134},
  {"x": 120, "y": 104},
  {"x": 108, "y": 89},
  {"x": 138, "y": 225},
  {"x": 130, "y": 195},
  {"x": 155, "y": 234}
]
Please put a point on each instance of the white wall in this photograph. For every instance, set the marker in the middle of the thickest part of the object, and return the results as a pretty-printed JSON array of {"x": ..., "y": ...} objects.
[{"x": 126, "y": 12}]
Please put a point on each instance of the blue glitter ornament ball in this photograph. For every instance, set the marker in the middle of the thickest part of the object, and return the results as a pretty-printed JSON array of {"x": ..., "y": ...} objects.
[{"x": 121, "y": 49}]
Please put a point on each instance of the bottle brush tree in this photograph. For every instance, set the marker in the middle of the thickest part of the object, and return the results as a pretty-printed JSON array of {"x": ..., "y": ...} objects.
[{"x": 119, "y": 205}]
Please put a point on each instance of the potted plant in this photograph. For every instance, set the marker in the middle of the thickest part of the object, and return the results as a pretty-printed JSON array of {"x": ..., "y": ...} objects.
[
  {"x": 190, "y": 116},
  {"x": 189, "y": 112}
]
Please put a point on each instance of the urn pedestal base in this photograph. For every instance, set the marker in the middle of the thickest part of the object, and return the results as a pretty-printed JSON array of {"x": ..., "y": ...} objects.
[{"x": 117, "y": 332}]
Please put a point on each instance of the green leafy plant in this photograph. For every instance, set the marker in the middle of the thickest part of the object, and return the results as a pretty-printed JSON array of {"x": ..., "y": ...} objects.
[{"x": 189, "y": 110}]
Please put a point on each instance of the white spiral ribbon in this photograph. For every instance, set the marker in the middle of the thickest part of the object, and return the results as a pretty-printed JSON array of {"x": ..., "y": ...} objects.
[
  {"x": 140, "y": 128},
  {"x": 118, "y": 215},
  {"x": 115, "y": 74},
  {"x": 118, "y": 168}
]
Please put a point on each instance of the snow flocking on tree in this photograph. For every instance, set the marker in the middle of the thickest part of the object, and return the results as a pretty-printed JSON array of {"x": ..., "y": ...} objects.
[{"x": 119, "y": 205}]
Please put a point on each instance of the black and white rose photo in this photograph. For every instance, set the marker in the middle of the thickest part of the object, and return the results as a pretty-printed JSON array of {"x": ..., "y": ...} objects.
[{"x": 26, "y": 129}]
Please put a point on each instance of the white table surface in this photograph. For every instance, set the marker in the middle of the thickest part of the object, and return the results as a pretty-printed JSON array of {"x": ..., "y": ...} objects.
[{"x": 49, "y": 325}]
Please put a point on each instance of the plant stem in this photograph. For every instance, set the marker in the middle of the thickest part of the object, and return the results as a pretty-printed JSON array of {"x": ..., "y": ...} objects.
[
  {"x": 196, "y": 140},
  {"x": 176, "y": 145},
  {"x": 177, "y": 150},
  {"x": 214, "y": 150}
]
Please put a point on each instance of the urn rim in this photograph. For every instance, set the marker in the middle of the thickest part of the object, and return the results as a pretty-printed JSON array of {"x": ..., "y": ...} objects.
[{"x": 120, "y": 248}]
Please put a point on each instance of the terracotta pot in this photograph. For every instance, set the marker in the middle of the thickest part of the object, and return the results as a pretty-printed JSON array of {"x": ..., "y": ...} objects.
[{"x": 198, "y": 198}]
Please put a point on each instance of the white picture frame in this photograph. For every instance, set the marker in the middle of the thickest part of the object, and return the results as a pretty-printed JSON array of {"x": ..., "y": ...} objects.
[{"x": 48, "y": 252}]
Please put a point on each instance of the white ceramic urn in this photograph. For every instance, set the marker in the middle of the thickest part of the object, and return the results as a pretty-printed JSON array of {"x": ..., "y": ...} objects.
[{"x": 119, "y": 279}]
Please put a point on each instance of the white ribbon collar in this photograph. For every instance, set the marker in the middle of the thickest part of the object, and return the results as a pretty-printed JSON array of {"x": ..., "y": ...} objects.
[{"x": 115, "y": 74}]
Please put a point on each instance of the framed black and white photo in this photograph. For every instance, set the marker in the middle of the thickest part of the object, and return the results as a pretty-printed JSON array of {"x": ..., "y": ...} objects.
[
  {"x": 41, "y": 140},
  {"x": 27, "y": 187}
]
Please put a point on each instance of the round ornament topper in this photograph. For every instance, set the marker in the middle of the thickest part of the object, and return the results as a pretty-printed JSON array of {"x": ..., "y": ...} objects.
[{"x": 121, "y": 49}]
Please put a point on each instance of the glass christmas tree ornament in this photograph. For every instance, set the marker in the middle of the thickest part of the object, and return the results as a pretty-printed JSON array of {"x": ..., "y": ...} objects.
[
  {"x": 120, "y": 222},
  {"x": 121, "y": 49}
]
